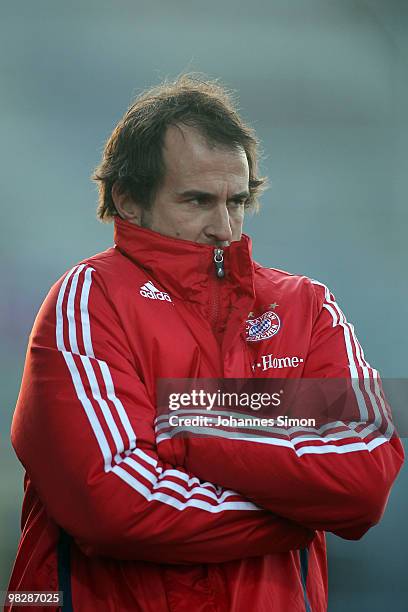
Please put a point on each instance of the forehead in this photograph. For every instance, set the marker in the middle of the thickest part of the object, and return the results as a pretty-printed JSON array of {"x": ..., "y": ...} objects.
[{"x": 187, "y": 154}]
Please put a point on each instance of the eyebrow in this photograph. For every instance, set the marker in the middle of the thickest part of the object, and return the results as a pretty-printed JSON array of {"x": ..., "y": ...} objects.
[{"x": 196, "y": 193}]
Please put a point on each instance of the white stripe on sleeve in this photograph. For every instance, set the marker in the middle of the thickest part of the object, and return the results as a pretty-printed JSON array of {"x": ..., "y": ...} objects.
[{"x": 156, "y": 478}]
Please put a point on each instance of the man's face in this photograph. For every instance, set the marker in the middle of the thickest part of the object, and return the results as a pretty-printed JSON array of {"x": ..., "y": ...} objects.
[{"x": 203, "y": 193}]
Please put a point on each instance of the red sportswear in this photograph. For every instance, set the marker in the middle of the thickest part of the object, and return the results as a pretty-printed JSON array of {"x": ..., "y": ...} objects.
[{"x": 122, "y": 517}]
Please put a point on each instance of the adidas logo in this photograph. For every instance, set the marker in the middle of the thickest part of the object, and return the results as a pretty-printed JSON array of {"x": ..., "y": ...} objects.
[{"x": 148, "y": 290}]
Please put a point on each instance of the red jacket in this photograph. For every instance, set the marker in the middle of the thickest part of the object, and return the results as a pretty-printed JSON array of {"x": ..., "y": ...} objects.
[{"x": 124, "y": 517}]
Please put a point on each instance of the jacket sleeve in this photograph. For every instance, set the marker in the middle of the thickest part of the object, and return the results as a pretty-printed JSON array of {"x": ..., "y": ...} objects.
[
  {"x": 83, "y": 429},
  {"x": 336, "y": 478}
]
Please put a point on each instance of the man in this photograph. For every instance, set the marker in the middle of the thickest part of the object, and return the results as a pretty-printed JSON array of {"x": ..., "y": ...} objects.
[{"x": 118, "y": 513}]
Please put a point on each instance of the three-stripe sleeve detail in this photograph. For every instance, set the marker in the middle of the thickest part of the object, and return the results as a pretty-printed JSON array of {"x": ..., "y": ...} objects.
[
  {"x": 108, "y": 417},
  {"x": 361, "y": 372}
]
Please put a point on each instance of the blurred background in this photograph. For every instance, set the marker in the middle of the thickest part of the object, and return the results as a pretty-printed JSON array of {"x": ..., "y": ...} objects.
[{"x": 324, "y": 83}]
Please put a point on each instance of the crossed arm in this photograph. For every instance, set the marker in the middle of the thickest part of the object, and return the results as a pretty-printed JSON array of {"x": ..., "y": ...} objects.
[
  {"x": 337, "y": 478},
  {"x": 83, "y": 429}
]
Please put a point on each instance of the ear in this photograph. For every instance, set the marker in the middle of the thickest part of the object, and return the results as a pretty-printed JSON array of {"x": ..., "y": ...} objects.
[{"x": 127, "y": 208}]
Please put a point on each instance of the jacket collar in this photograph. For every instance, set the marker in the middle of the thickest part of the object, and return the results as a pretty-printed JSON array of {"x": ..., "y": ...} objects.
[{"x": 185, "y": 268}]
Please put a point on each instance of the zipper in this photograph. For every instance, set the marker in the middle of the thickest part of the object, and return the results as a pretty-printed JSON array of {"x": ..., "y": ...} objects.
[
  {"x": 215, "y": 288},
  {"x": 219, "y": 263}
]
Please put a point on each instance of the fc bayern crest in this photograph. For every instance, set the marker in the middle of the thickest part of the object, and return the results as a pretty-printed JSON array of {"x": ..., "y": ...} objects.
[{"x": 263, "y": 327}]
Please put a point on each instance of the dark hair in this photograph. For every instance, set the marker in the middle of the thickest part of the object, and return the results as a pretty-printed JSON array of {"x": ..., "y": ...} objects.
[{"x": 133, "y": 153}]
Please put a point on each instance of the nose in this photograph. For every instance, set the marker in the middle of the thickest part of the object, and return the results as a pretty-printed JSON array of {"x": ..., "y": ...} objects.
[{"x": 218, "y": 230}]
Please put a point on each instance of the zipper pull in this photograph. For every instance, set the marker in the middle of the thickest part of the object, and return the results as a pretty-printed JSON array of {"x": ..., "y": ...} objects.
[{"x": 219, "y": 262}]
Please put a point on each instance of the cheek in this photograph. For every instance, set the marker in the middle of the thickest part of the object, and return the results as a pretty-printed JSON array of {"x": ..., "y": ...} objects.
[
  {"x": 167, "y": 219},
  {"x": 180, "y": 223},
  {"x": 236, "y": 222},
  {"x": 237, "y": 219}
]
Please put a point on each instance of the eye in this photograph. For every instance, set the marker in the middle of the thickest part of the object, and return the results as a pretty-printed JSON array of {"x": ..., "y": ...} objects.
[
  {"x": 238, "y": 203},
  {"x": 202, "y": 202}
]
